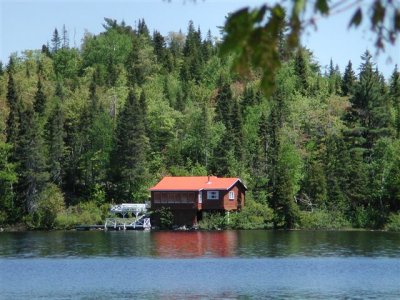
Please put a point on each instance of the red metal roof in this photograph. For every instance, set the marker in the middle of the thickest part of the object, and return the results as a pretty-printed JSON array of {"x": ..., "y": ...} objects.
[{"x": 195, "y": 183}]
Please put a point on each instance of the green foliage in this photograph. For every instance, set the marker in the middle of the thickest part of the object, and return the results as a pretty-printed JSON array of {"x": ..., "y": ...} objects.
[
  {"x": 8, "y": 177},
  {"x": 84, "y": 213},
  {"x": 393, "y": 223},
  {"x": 322, "y": 219},
  {"x": 254, "y": 35},
  {"x": 105, "y": 122},
  {"x": 49, "y": 204},
  {"x": 254, "y": 215},
  {"x": 213, "y": 221},
  {"x": 165, "y": 216}
]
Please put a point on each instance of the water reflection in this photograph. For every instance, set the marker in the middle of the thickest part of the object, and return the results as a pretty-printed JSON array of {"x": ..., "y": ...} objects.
[
  {"x": 200, "y": 244},
  {"x": 195, "y": 244}
]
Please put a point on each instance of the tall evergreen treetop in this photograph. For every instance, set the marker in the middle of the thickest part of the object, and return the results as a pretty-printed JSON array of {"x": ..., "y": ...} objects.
[
  {"x": 55, "y": 41},
  {"x": 40, "y": 99},
  {"x": 31, "y": 157},
  {"x": 349, "y": 80},
  {"x": 130, "y": 170},
  {"x": 13, "y": 116}
]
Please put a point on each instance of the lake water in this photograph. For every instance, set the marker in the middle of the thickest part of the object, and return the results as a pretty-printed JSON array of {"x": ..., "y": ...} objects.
[{"x": 200, "y": 265}]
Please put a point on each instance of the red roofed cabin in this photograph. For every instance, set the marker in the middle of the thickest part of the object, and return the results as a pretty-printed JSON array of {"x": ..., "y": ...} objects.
[{"x": 189, "y": 197}]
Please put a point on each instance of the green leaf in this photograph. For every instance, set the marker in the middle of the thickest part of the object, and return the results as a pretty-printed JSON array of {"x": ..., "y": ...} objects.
[
  {"x": 397, "y": 20},
  {"x": 356, "y": 19},
  {"x": 322, "y": 6},
  {"x": 299, "y": 7},
  {"x": 378, "y": 13}
]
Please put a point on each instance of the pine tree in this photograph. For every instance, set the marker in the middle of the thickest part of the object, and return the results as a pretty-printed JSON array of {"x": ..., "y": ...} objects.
[
  {"x": 31, "y": 157},
  {"x": 143, "y": 29},
  {"x": 13, "y": 116},
  {"x": 56, "y": 41},
  {"x": 8, "y": 178},
  {"x": 159, "y": 47},
  {"x": 368, "y": 104},
  {"x": 349, "y": 80},
  {"x": 237, "y": 130},
  {"x": 193, "y": 56},
  {"x": 55, "y": 144},
  {"x": 65, "y": 38},
  {"x": 40, "y": 99},
  {"x": 224, "y": 101},
  {"x": 300, "y": 68},
  {"x": 129, "y": 156},
  {"x": 394, "y": 92}
]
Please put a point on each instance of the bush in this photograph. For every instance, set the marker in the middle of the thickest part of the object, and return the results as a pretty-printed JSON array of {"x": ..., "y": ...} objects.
[
  {"x": 213, "y": 221},
  {"x": 88, "y": 213},
  {"x": 3, "y": 218},
  {"x": 253, "y": 216},
  {"x": 50, "y": 203},
  {"x": 165, "y": 216},
  {"x": 393, "y": 223},
  {"x": 367, "y": 217},
  {"x": 321, "y": 219}
]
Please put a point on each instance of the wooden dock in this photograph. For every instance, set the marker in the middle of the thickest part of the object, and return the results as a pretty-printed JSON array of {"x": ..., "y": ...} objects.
[{"x": 141, "y": 223}]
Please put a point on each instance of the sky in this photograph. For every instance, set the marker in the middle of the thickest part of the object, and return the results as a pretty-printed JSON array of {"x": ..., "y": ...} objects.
[{"x": 28, "y": 24}]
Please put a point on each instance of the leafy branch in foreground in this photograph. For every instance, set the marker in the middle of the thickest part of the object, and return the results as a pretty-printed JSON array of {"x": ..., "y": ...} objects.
[{"x": 255, "y": 35}]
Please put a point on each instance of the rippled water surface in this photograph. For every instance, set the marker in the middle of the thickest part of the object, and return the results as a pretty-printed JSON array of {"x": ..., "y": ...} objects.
[{"x": 200, "y": 265}]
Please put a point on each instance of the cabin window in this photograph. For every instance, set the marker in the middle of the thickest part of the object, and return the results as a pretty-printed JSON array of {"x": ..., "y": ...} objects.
[
  {"x": 200, "y": 197},
  {"x": 212, "y": 195},
  {"x": 231, "y": 195}
]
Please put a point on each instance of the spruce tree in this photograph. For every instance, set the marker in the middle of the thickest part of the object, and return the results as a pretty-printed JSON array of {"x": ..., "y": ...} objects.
[
  {"x": 30, "y": 153},
  {"x": 224, "y": 101},
  {"x": 237, "y": 130},
  {"x": 142, "y": 29},
  {"x": 13, "y": 116},
  {"x": 394, "y": 92},
  {"x": 159, "y": 47},
  {"x": 129, "y": 156},
  {"x": 40, "y": 99},
  {"x": 65, "y": 38},
  {"x": 55, "y": 41},
  {"x": 300, "y": 68},
  {"x": 349, "y": 80},
  {"x": 55, "y": 144}
]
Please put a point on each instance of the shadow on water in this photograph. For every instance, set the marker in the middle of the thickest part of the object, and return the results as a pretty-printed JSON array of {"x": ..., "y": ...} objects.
[{"x": 244, "y": 244}]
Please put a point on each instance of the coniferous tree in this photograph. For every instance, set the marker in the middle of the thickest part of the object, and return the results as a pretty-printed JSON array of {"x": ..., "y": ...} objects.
[
  {"x": 300, "y": 68},
  {"x": 55, "y": 145},
  {"x": 65, "y": 38},
  {"x": 224, "y": 101},
  {"x": 237, "y": 130},
  {"x": 129, "y": 156},
  {"x": 394, "y": 92},
  {"x": 143, "y": 29},
  {"x": 349, "y": 80},
  {"x": 13, "y": 116},
  {"x": 32, "y": 175},
  {"x": 159, "y": 47},
  {"x": 8, "y": 178},
  {"x": 40, "y": 99},
  {"x": 56, "y": 41}
]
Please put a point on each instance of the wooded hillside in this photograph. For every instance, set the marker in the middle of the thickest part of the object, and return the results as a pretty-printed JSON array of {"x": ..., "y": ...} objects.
[{"x": 104, "y": 122}]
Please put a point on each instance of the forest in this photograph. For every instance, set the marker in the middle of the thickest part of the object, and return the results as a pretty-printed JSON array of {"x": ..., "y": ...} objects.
[{"x": 81, "y": 128}]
